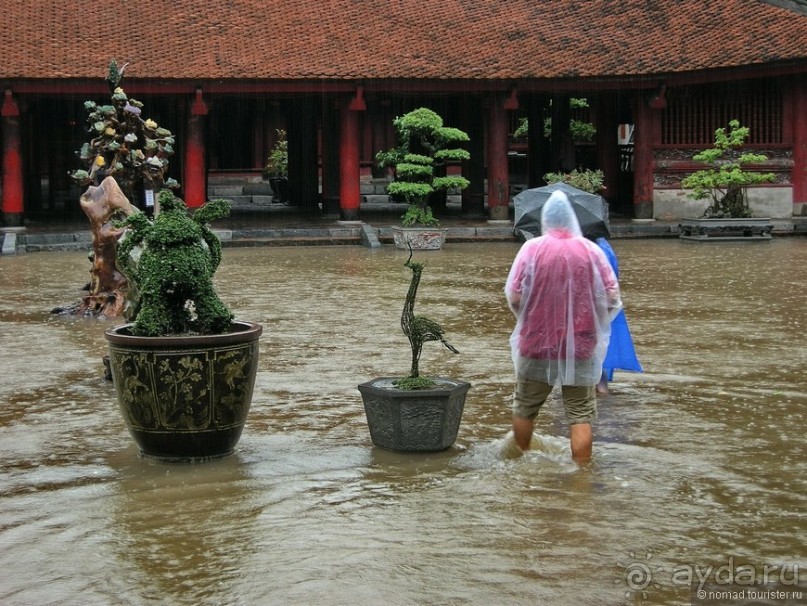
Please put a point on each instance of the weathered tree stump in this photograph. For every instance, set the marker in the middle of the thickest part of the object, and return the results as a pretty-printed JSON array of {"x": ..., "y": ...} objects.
[{"x": 103, "y": 204}]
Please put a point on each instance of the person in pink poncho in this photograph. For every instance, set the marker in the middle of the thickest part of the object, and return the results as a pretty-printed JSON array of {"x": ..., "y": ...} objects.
[{"x": 564, "y": 294}]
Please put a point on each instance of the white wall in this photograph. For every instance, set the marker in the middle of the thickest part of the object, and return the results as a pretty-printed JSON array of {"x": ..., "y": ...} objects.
[{"x": 673, "y": 204}]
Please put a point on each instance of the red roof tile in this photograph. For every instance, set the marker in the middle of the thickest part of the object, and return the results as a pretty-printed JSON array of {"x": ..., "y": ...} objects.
[{"x": 399, "y": 39}]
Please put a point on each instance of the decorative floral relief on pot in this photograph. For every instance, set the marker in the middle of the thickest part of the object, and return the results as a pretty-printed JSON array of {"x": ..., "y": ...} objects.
[
  {"x": 172, "y": 389},
  {"x": 420, "y": 238},
  {"x": 185, "y": 397}
]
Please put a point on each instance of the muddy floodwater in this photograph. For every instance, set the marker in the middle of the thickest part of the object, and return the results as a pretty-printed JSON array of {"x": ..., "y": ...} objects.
[{"x": 699, "y": 464}]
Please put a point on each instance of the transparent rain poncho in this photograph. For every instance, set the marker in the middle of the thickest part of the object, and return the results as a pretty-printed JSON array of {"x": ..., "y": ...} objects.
[{"x": 564, "y": 295}]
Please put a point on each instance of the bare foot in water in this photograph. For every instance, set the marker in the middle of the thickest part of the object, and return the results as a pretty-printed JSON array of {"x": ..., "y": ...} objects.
[{"x": 509, "y": 449}]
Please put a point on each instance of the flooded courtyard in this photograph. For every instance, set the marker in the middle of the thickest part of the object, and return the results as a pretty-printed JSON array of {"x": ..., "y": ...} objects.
[{"x": 699, "y": 462}]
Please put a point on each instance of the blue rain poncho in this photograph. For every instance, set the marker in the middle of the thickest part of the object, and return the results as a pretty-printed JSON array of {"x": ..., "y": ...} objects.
[{"x": 621, "y": 355}]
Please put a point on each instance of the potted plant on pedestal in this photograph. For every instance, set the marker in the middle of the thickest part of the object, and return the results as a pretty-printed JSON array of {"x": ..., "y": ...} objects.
[
  {"x": 277, "y": 168},
  {"x": 425, "y": 146},
  {"x": 725, "y": 183},
  {"x": 415, "y": 413},
  {"x": 183, "y": 368}
]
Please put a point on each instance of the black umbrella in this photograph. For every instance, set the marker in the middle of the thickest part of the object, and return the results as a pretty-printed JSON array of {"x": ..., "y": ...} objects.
[{"x": 591, "y": 210}]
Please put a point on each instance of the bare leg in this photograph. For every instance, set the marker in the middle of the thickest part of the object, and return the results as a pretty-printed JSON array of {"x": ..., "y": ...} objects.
[
  {"x": 522, "y": 432},
  {"x": 602, "y": 386},
  {"x": 581, "y": 438}
]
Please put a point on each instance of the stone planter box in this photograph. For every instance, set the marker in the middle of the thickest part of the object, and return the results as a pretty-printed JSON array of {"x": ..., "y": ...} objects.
[
  {"x": 421, "y": 420},
  {"x": 722, "y": 230},
  {"x": 419, "y": 238}
]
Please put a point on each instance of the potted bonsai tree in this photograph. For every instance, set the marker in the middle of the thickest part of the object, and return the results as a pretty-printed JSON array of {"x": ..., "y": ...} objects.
[
  {"x": 418, "y": 164},
  {"x": 183, "y": 368},
  {"x": 415, "y": 413},
  {"x": 724, "y": 182},
  {"x": 277, "y": 168}
]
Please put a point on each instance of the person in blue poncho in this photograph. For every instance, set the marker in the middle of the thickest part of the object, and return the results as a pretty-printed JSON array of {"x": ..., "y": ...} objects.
[{"x": 621, "y": 354}]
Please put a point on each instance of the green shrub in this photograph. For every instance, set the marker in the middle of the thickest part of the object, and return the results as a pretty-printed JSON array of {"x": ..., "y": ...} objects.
[
  {"x": 587, "y": 180},
  {"x": 173, "y": 272},
  {"x": 277, "y": 164}
]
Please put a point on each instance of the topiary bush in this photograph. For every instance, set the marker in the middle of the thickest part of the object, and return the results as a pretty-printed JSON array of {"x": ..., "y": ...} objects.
[{"x": 171, "y": 260}]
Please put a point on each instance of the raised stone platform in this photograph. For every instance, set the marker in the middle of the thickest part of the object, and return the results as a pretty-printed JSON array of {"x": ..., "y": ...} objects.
[{"x": 722, "y": 230}]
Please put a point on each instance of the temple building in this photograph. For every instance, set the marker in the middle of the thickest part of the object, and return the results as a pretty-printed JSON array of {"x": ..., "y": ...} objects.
[{"x": 658, "y": 78}]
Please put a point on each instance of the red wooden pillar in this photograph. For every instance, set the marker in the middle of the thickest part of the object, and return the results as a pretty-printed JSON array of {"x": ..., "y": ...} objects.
[
  {"x": 349, "y": 167},
  {"x": 646, "y": 133},
  {"x": 799, "y": 175},
  {"x": 498, "y": 175},
  {"x": 12, "y": 163},
  {"x": 195, "y": 174}
]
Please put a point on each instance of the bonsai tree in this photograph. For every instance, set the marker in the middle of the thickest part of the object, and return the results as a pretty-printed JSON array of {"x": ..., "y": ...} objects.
[
  {"x": 418, "y": 164},
  {"x": 725, "y": 182},
  {"x": 135, "y": 152},
  {"x": 587, "y": 180},
  {"x": 174, "y": 270},
  {"x": 419, "y": 330}
]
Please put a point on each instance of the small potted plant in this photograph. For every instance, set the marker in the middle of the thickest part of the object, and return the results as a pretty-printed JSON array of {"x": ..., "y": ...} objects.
[
  {"x": 418, "y": 164},
  {"x": 276, "y": 170},
  {"x": 724, "y": 182},
  {"x": 415, "y": 413},
  {"x": 183, "y": 368}
]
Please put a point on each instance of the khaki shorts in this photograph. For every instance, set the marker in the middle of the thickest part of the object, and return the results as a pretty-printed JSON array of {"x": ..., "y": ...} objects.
[{"x": 580, "y": 401}]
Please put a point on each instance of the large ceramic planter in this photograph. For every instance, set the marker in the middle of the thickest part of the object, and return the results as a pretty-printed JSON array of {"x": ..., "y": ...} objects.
[
  {"x": 723, "y": 230},
  {"x": 419, "y": 238},
  {"x": 185, "y": 398},
  {"x": 421, "y": 420}
]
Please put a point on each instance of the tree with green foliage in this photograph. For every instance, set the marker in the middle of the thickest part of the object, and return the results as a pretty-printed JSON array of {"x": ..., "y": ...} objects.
[
  {"x": 725, "y": 182},
  {"x": 425, "y": 146}
]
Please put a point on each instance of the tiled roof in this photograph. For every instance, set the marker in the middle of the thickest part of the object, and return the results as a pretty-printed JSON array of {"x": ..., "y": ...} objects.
[{"x": 378, "y": 39}]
